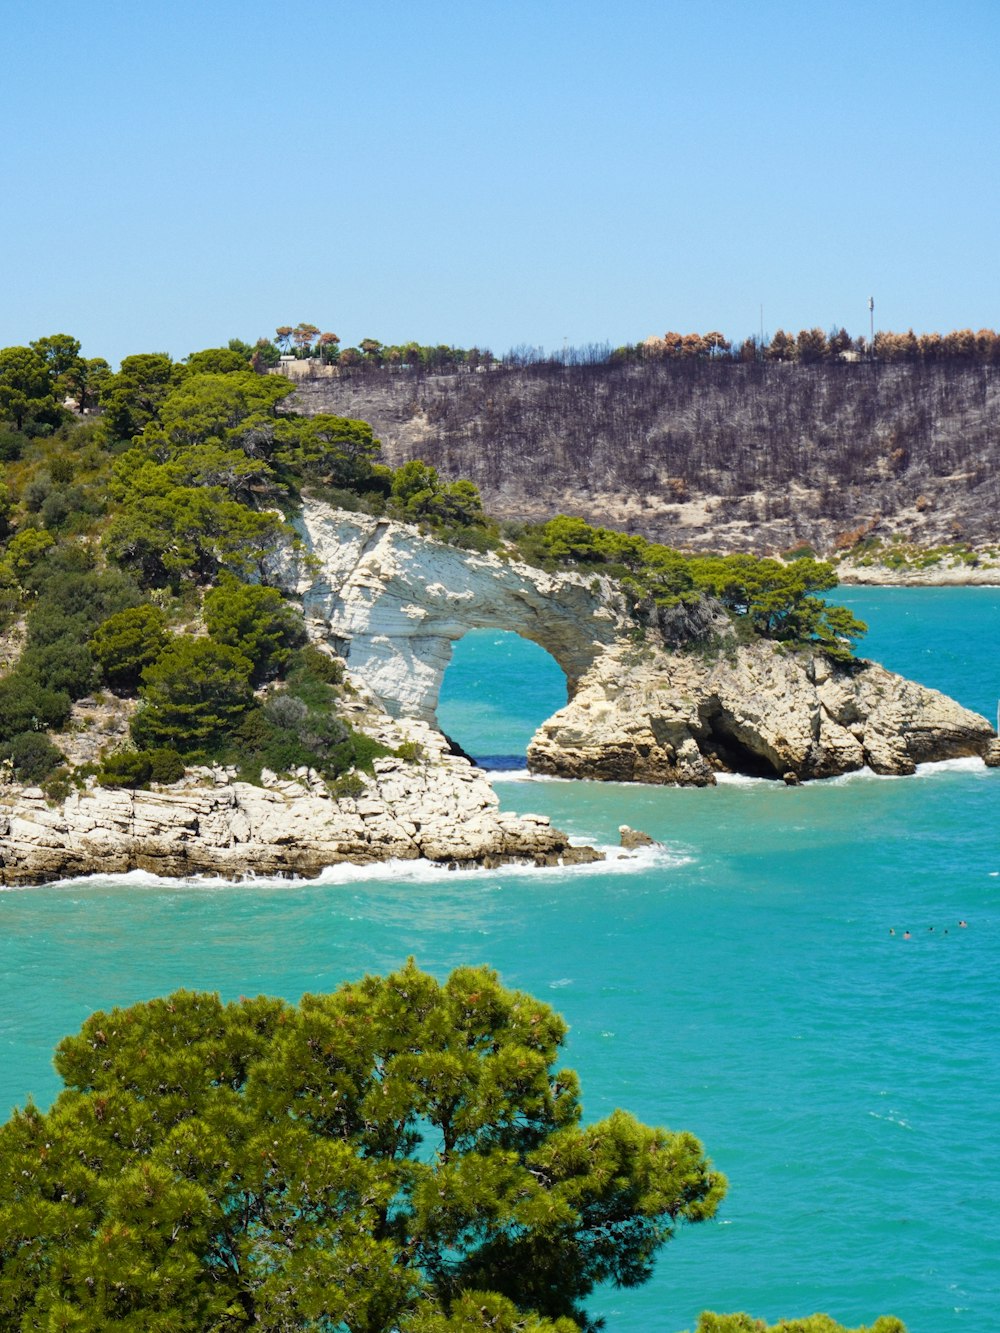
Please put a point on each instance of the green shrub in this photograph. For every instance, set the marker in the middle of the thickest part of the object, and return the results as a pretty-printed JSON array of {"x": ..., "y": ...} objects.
[
  {"x": 216, "y": 361},
  {"x": 65, "y": 664},
  {"x": 58, "y": 785},
  {"x": 321, "y": 666},
  {"x": 339, "y": 498},
  {"x": 257, "y": 621},
  {"x": 348, "y": 787},
  {"x": 260, "y": 742},
  {"x": 55, "y": 510},
  {"x": 12, "y": 443},
  {"x": 194, "y": 695},
  {"x": 32, "y": 755},
  {"x": 138, "y": 768},
  {"x": 165, "y": 766},
  {"x": 311, "y": 663},
  {"x": 472, "y": 538},
  {"x": 131, "y": 769},
  {"x": 710, "y": 1322},
  {"x": 27, "y": 706},
  {"x": 128, "y": 642},
  {"x": 24, "y": 550},
  {"x": 35, "y": 492},
  {"x": 67, "y": 582},
  {"x": 61, "y": 469},
  {"x": 298, "y": 727},
  {"x": 365, "y": 750},
  {"x": 419, "y": 495}
]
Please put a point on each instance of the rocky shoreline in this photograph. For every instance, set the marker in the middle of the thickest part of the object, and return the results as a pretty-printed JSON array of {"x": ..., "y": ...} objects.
[
  {"x": 440, "y": 809},
  {"x": 643, "y": 714},
  {"x": 391, "y": 602}
]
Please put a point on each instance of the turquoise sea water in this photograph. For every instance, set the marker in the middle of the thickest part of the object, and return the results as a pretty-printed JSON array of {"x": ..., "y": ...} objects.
[{"x": 741, "y": 983}]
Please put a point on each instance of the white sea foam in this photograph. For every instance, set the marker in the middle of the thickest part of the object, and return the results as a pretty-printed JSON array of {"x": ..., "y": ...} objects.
[
  {"x": 621, "y": 860},
  {"x": 520, "y": 775},
  {"x": 617, "y": 861},
  {"x": 969, "y": 764}
]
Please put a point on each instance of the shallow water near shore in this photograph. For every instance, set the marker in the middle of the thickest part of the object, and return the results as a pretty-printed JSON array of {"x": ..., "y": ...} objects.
[{"x": 741, "y": 982}]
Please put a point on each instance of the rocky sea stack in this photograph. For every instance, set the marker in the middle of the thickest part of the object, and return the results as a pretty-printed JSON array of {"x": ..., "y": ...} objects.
[{"x": 652, "y": 716}]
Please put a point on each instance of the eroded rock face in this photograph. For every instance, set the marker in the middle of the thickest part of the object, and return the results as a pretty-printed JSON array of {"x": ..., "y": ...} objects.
[
  {"x": 440, "y": 808},
  {"x": 393, "y": 603},
  {"x": 648, "y": 715}
]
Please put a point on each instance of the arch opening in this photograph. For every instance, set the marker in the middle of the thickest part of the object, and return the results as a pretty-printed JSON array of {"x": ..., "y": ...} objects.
[{"x": 497, "y": 690}]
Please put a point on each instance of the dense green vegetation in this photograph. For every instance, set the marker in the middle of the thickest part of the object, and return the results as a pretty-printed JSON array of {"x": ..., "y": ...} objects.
[
  {"x": 766, "y": 598},
  {"x": 139, "y": 544},
  {"x": 816, "y": 1323},
  {"x": 306, "y": 342},
  {"x": 397, "y": 1155}
]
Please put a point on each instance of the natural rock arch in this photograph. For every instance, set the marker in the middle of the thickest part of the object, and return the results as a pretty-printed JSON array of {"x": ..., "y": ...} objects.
[{"x": 393, "y": 603}]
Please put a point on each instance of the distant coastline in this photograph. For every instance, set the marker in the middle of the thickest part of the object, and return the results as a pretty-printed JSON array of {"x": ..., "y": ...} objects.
[{"x": 959, "y": 575}]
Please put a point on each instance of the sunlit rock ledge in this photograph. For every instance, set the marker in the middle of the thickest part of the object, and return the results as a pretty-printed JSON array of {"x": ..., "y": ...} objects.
[
  {"x": 393, "y": 602},
  {"x": 437, "y": 807},
  {"x": 952, "y": 572}
]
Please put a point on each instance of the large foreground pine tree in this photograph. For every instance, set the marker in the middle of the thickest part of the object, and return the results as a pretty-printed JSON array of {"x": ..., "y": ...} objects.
[{"x": 399, "y": 1155}]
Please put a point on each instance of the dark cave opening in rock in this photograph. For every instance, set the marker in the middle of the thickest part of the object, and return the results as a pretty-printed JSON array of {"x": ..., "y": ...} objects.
[
  {"x": 497, "y": 690},
  {"x": 733, "y": 753}
]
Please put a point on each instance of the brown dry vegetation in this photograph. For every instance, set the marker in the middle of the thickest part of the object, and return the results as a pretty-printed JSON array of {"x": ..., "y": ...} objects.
[{"x": 703, "y": 453}]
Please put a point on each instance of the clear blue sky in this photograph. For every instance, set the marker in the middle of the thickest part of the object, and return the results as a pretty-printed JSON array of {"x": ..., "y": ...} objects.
[{"x": 520, "y": 172}]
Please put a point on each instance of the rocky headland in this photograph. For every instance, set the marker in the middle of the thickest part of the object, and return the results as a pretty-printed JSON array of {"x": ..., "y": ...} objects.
[
  {"x": 394, "y": 602},
  {"x": 649, "y": 715},
  {"x": 391, "y": 602}
]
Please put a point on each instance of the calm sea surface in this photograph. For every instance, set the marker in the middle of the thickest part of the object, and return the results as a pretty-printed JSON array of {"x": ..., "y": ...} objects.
[{"x": 741, "y": 982}]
